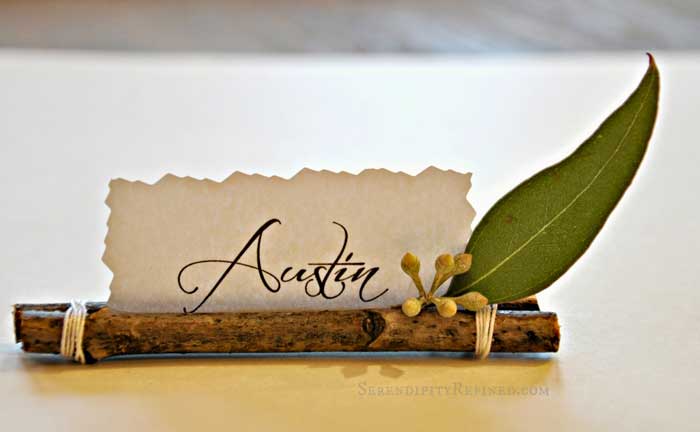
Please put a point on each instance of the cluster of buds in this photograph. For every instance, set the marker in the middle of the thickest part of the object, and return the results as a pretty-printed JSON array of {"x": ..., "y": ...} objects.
[{"x": 446, "y": 266}]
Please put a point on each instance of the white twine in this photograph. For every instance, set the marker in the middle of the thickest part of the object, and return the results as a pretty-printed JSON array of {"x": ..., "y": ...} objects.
[
  {"x": 73, "y": 330},
  {"x": 485, "y": 322}
]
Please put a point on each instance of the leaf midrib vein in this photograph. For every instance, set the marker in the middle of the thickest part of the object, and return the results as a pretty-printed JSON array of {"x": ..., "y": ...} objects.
[{"x": 573, "y": 201}]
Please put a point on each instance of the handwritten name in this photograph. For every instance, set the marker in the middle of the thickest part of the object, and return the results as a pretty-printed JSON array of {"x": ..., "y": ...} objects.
[{"x": 315, "y": 277}]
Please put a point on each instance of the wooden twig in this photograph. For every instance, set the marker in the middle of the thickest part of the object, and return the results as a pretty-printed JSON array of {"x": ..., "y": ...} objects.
[{"x": 520, "y": 327}]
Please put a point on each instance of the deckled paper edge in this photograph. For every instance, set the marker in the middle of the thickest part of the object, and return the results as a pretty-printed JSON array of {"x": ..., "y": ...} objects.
[{"x": 237, "y": 174}]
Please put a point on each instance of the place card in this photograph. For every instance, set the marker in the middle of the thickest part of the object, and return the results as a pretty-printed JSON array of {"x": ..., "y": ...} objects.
[{"x": 319, "y": 240}]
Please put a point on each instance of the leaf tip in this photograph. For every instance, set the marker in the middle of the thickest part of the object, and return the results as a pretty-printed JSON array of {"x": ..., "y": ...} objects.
[{"x": 652, "y": 61}]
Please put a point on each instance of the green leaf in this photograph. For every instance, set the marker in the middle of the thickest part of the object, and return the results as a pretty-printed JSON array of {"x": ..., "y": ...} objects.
[{"x": 532, "y": 235}]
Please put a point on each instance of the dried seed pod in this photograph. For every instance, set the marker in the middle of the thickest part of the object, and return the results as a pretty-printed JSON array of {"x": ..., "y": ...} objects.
[
  {"x": 472, "y": 301},
  {"x": 445, "y": 264},
  {"x": 411, "y": 307},
  {"x": 463, "y": 262},
  {"x": 446, "y": 307},
  {"x": 410, "y": 264}
]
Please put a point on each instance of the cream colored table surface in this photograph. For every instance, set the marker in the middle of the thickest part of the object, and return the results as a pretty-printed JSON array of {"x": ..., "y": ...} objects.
[{"x": 629, "y": 309}]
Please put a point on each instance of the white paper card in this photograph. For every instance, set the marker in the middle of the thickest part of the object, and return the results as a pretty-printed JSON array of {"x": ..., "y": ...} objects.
[{"x": 320, "y": 240}]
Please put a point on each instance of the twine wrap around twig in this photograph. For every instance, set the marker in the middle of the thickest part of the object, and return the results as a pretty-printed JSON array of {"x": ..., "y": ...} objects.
[
  {"x": 485, "y": 323},
  {"x": 73, "y": 331}
]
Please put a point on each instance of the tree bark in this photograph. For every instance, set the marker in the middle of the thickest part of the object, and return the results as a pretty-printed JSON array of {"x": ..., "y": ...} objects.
[{"x": 520, "y": 327}]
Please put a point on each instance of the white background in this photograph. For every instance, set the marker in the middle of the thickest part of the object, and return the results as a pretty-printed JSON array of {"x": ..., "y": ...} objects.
[{"x": 629, "y": 309}]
